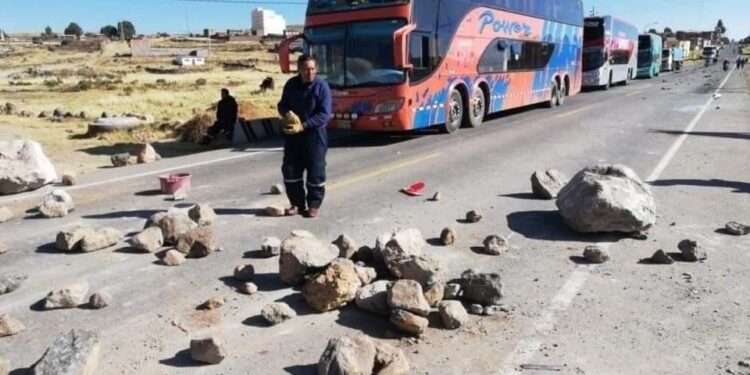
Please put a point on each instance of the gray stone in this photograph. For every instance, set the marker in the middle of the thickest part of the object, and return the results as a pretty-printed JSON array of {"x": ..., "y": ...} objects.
[
  {"x": 607, "y": 198},
  {"x": 301, "y": 233},
  {"x": 366, "y": 275},
  {"x": 495, "y": 245},
  {"x": 212, "y": 304},
  {"x": 12, "y": 281},
  {"x": 209, "y": 350},
  {"x": 71, "y": 296},
  {"x": 374, "y": 297},
  {"x": 304, "y": 256},
  {"x": 453, "y": 314},
  {"x": 69, "y": 179},
  {"x": 270, "y": 247},
  {"x": 595, "y": 254},
  {"x": 5, "y": 214},
  {"x": 197, "y": 243},
  {"x": 346, "y": 245},
  {"x": 70, "y": 239},
  {"x": 173, "y": 258},
  {"x": 72, "y": 353},
  {"x": 147, "y": 154},
  {"x": 57, "y": 203},
  {"x": 408, "y": 322},
  {"x": 10, "y": 326},
  {"x": 691, "y": 252},
  {"x": 277, "y": 312},
  {"x": 120, "y": 160},
  {"x": 174, "y": 224},
  {"x": 732, "y": 227},
  {"x": 494, "y": 310},
  {"x": 434, "y": 292},
  {"x": 547, "y": 184},
  {"x": 422, "y": 268},
  {"x": 244, "y": 272},
  {"x": 476, "y": 309},
  {"x": 448, "y": 236},
  {"x": 452, "y": 291},
  {"x": 24, "y": 167},
  {"x": 403, "y": 244},
  {"x": 333, "y": 288},
  {"x": 100, "y": 300},
  {"x": 482, "y": 288},
  {"x": 149, "y": 240},
  {"x": 248, "y": 288},
  {"x": 202, "y": 214},
  {"x": 100, "y": 239},
  {"x": 473, "y": 216},
  {"x": 353, "y": 355},
  {"x": 408, "y": 295},
  {"x": 275, "y": 211},
  {"x": 661, "y": 257},
  {"x": 389, "y": 360},
  {"x": 277, "y": 189}
]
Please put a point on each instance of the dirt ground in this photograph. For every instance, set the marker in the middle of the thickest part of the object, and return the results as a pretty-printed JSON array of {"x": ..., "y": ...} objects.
[{"x": 45, "y": 78}]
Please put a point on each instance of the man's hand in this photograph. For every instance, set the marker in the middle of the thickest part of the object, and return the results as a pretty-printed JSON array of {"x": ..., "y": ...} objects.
[{"x": 293, "y": 124}]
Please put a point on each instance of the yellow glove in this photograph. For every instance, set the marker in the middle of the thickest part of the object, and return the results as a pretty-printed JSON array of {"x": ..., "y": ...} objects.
[{"x": 293, "y": 124}]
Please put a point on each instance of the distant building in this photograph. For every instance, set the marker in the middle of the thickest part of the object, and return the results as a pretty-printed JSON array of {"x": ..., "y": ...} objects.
[
  {"x": 267, "y": 22},
  {"x": 189, "y": 60},
  {"x": 293, "y": 30}
]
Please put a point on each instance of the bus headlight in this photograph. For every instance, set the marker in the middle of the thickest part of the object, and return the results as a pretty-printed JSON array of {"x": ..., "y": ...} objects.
[{"x": 388, "y": 106}]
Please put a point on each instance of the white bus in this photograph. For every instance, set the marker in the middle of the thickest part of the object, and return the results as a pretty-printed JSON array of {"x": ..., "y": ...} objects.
[{"x": 610, "y": 49}]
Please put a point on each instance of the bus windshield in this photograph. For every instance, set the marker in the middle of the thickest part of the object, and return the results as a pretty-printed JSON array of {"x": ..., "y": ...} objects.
[
  {"x": 356, "y": 54},
  {"x": 644, "y": 43},
  {"x": 321, "y": 6}
]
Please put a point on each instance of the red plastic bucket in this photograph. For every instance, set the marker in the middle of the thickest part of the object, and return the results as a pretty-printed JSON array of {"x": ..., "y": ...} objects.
[{"x": 175, "y": 182}]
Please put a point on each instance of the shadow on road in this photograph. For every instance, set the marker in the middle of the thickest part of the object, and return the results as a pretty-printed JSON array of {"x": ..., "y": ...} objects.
[
  {"x": 302, "y": 370},
  {"x": 141, "y": 214},
  {"x": 527, "y": 196},
  {"x": 548, "y": 225},
  {"x": 297, "y": 302},
  {"x": 370, "y": 324},
  {"x": 181, "y": 359},
  {"x": 240, "y": 211},
  {"x": 732, "y": 135},
  {"x": 739, "y": 187}
]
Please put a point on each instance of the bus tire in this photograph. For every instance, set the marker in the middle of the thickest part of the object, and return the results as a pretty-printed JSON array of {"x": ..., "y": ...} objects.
[
  {"x": 553, "y": 96},
  {"x": 562, "y": 93},
  {"x": 474, "y": 116},
  {"x": 454, "y": 112}
]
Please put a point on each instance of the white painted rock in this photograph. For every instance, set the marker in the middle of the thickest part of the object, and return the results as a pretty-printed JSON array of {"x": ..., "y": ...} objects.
[{"x": 23, "y": 167}]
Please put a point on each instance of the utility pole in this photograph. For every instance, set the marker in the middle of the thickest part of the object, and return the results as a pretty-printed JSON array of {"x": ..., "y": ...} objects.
[{"x": 593, "y": 11}]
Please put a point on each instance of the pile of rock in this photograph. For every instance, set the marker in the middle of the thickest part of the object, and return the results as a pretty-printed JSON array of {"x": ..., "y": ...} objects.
[{"x": 361, "y": 355}]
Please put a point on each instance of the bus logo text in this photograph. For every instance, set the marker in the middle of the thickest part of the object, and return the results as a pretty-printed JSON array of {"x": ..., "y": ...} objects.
[{"x": 488, "y": 18}]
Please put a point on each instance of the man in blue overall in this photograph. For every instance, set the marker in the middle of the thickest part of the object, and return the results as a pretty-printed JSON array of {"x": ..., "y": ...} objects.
[{"x": 306, "y": 104}]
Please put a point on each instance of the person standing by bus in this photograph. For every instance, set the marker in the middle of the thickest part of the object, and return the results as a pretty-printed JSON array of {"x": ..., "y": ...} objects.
[{"x": 306, "y": 105}]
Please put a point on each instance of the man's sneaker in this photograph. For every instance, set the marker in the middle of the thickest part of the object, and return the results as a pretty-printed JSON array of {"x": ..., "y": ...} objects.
[
  {"x": 312, "y": 213},
  {"x": 291, "y": 211}
]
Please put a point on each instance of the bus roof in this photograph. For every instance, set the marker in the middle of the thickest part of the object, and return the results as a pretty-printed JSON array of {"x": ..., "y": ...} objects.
[{"x": 564, "y": 11}]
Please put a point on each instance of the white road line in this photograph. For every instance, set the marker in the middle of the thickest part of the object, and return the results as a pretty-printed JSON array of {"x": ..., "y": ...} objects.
[
  {"x": 530, "y": 343},
  {"x": 138, "y": 175}
]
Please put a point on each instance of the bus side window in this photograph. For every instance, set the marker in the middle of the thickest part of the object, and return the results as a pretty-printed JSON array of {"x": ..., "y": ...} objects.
[{"x": 421, "y": 56}]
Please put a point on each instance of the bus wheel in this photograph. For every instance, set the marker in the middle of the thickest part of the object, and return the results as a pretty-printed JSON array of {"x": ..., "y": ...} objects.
[
  {"x": 477, "y": 109},
  {"x": 553, "y": 96},
  {"x": 562, "y": 93},
  {"x": 455, "y": 112}
]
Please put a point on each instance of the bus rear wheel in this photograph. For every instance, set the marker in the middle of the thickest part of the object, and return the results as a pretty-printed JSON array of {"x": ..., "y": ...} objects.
[
  {"x": 477, "y": 109},
  {"x": 454, "y": 112},
  {"x": 562, "y": 93},
  {"x": 554, "y": 96}
]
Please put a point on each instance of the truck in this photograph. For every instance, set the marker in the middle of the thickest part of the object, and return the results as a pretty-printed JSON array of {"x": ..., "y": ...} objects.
[
  {"x": 672, "y": 59},
  {"x": 649, "y": 55},
  {"x": 710, "y": 53},
  {"x": 609, "y": 51}
]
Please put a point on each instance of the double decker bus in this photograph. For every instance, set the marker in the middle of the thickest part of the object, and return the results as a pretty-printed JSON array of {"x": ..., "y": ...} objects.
[
  {"x": 399, "y": 65},
  {"x": 610, "y": 49},
  {"x": 649, "y": 55}
]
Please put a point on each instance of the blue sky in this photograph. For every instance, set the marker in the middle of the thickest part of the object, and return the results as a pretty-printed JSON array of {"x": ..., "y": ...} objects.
[{"x": 175, "y": 16}]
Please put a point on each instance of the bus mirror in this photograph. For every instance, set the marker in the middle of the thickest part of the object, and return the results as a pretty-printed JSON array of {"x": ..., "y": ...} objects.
[
  {"x": 401, "y": 46},
  {"x": 284, "y": 53}
]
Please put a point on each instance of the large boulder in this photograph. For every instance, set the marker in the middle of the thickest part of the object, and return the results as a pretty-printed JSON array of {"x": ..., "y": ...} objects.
[
  {"x": 333, "y": 288},
  {"x": 304, "y": 256},
  {"x": 346, "y": 245},
  {"x": 403, "y": 244},
  {"x": 547, "y": 184},
  {"x": 23, "y": 167},
  {"x": 408, "y": 322},
  {"x": 56, "y": 203},
  {"x": 422, "y": 268},
  {"x": 209, "y": 350},
  {"x": 277, "y": 312},
  {"x": 70, "y": 239},
  {"x": 197, "y": 243},
  {"x": 374, "y": 297},
  {"x": 607, "y": 198},
  {"x": 453, "y": 314},
  {"x": 99, "y": 239},
  {"x": 482, "y": 288},
  {"x": 348, "y": 356},
  {"x": 149, "y": 240},
  {"x": 173, "y": 223},
  {"x": 408, "y": 295},
  {"x": 202, "y": 214},
  {"x": 147, "y": 154},
  {"x": 68, "y": 297},
  {"x": 72, "y": 353},
  {"x": 389, "y": 360}
]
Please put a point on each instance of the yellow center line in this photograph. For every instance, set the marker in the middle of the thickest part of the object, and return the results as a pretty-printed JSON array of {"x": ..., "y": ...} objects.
[
  {"x": 380, "y": 171},
  {"x": 634, "y": 93},
  {"x": 579, "y": 110}
]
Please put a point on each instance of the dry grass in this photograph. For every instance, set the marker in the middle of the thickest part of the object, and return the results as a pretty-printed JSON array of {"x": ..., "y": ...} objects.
[{"x": 36, "y": 79}]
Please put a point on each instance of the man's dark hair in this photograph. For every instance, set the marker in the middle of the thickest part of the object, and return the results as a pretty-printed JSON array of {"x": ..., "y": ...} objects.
[
  {"x": 224, "y": 91},
  {"x": 305, "y": 58}
]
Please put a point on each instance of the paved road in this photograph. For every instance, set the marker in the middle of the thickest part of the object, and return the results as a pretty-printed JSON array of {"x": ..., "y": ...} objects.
[{"x": 618, "y": 318}]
